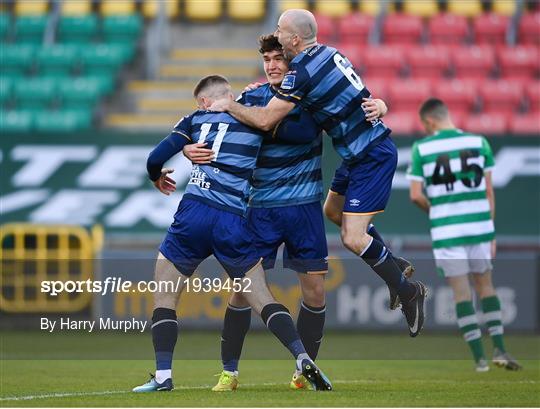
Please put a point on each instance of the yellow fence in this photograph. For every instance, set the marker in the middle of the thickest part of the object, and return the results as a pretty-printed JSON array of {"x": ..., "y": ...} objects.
[{"x": 31, "y": 254}]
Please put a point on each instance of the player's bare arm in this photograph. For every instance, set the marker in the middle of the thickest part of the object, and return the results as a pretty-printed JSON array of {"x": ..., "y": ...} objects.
[
  {"x": 198, "y": 153},
  {"x": 265, "y": 118},
  {"x": 417, "y": 195}
]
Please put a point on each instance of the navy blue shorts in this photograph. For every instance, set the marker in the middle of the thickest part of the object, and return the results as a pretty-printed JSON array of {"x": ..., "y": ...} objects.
[
  {"x": 199, "y": 230},
  {"x": 367, "y": 184},
  {"x": 299, "y": 227}
]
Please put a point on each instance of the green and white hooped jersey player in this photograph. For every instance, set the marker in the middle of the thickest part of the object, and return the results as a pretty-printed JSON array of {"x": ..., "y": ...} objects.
[{"x": 451, "y": 164}]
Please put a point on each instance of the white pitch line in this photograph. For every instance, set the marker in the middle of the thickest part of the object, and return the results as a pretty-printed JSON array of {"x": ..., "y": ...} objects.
[{"x": 353, "y": 381}]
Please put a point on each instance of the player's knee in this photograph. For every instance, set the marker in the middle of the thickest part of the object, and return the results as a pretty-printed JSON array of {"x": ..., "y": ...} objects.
[
  {"x": 238, "y": 300},
  {"x": 315, "y": 296}
]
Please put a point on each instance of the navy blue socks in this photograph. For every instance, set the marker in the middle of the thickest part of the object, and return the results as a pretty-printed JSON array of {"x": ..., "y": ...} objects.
[
  {"x": 310, "y": 326},
  {"x": 164, "y": 336},
  {"x": 235, "y": 327}
]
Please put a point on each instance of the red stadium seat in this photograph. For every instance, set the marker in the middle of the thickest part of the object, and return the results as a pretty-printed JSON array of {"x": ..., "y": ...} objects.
[
  {"x": 428, "y": 62},
  {"x": 402, "y": 29},
  {"x": 459, "y": 96},
  {"x": 353, "y": 52},
  {"x": 490, "y": 28},
  {"x": 475, "y": 62},
  {"x": 407, "y": 95},
  {"x": 355, "y": 28},
  {"x": 377, "y": 87},
  {"x": 528, "y": 124},
  {"x": 532, "y": 91},
  {"x": 529, "y": 28},
  {"x": 403, "y": 123},
  {"x": 486, "y": 124},
  {"x": 521, "y": 62},
  {"x": 326, "y": 28},
  {"x": 501, "y": 96},
  {"x": 382, "y": 61},
  {"x": 448, "y": 29}
]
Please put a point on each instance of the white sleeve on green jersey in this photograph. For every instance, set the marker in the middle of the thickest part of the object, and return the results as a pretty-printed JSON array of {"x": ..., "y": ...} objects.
[
  {"x": 488, "y": 155},
  {"x": 415, "y": 171}
]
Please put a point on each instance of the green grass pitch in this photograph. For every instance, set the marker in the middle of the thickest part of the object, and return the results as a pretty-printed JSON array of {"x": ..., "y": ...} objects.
[{"x": 377, "y": 374}]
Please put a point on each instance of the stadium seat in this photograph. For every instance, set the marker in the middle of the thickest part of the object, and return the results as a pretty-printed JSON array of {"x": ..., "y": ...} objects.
[
  {"x": 326, "y": 28},
  {"x": 4, "y": 26},
  {"x": 521, "y": 62},
  {"x": 475, "y": 62},
  {"x": 35, "y": 93},
  {"x": 150, "y": 8},
  {"x": 486, "y": 124},
  {"x": 242, "y": 10},
  {"x": 122, "y": 29},
  {"x": 402, "y": 123},
  {"x": 292, "y": 4},
  {"x": 76, "y": 8},
  {"x": 529, "y": 28},
  {"x": 333, "y": 8},
  {"x": 428, "y": 62},
  {"x": 504, "y": 7},
  {"x": 467, "y": 8},
  {"x": 56, "y": 60},
  {"x": 30, "y": 29},
  {"x": 79, "y": 94},
  {"x": 355, "y": 27},
  {"x": 203, "y": 11},
  {"x": 116, "y": 8},
  {"x": 528, "y": 124},
  {"x": 382, "y": 61},
  {"x": 532, "y": 91},
  {"x": 377, "y": 87},
  {"x": 62, "y": 121},
  {"x": 15, "y": 121},
  {"x": 421, "y": 8},
  {"x": 31, "y": 8},
  {"x": 459, "y": 96},
  {"x": 103, "y": 83},
  {"x": 402, "y": 29},
  {"x": 408, "y": 95},
  {"x": 501, "y": 96},
  {"x": 370, "y": 7},
  {"x": 448, "y": 29},
  {"x": 490, "y": 28},
  {"x": 78, "y": 30},
  {"x": 353, "y": 52},
  {"x": 100, "y": 60},
  {"x": 16, "y": 60}
]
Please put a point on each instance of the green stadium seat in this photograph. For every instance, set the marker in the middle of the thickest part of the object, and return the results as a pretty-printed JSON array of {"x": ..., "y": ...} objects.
[
  {"x": 62, "y": 121},
  {"x": 4, "y": 26},
  {"x": 122, "y": 29},
  {"x": 16, "y": 60},
  {"x": 35, "y": 93},
  {"x": 126, "y": 51},
  {"x": 79, "y": 94},
  {"x": 78, "y": 30},
  {"x": 101, "y": 59},
  {"x": 30, "y": 29},
  {"x": 104, "y": 83},
  {"x": 57, "y": 61},
  {"x": 6, "y": 85},
  {"x": 15, "y": 121}
]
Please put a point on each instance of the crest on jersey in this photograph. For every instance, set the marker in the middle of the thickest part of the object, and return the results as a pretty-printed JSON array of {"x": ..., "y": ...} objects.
[{"x": 288, "y": 81}]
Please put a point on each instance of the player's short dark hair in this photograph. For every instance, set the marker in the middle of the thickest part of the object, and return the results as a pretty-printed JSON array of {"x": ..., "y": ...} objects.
[
  {"x": 269, "y": 43},
  {"x": 209, "y": 82},
  {"x": 435, "y": 108}
]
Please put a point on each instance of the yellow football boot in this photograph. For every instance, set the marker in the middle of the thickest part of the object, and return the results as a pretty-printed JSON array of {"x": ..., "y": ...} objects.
[{"x": 228, "y": 381}]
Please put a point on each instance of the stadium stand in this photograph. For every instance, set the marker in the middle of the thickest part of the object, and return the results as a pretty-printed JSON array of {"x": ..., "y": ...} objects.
[
  {"x": 448, "y": 29},
  {"x": 209, "y": 10},
  {"x": 491, "y": 28},
  {"x": 422, "y": 8},
  {"x": 246, "y": 11},
  {"x": 402, "y": 29},
  {"x": 355, "y": 28},
  {"x": 150, "y": 8},
  {"x": 336, "y": 8}
]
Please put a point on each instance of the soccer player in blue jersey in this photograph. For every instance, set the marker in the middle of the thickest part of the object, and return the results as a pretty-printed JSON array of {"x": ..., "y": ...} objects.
[
  {"x": 210, "y": 221},
  {"x": 284, "y": 208},
  {"x": 322, "y": 81}
]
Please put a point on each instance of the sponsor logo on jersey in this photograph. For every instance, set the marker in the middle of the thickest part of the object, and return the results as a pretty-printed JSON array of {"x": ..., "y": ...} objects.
[
  {"x": 198, "y": 177},
  {"x": 354, "y": 202}
]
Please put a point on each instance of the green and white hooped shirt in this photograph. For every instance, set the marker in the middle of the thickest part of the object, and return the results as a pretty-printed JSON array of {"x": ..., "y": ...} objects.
[{"x": 451, "y": 164}]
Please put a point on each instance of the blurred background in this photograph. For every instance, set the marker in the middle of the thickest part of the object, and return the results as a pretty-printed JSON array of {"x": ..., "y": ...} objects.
[{"x": 88, "y": 87}]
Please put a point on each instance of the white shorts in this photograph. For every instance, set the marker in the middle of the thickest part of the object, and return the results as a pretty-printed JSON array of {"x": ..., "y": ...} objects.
[{"x": 462, "y": 260}]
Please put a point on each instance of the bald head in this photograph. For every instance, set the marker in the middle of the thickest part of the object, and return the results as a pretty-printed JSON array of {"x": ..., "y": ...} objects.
[{"x": 301, "y": 22}]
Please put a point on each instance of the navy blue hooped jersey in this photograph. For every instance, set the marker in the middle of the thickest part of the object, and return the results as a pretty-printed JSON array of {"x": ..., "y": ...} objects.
[
  {"x": 225, "y": 182},
  {"x": 286, "y": 174},
  {"x": 323, "y": 81}
]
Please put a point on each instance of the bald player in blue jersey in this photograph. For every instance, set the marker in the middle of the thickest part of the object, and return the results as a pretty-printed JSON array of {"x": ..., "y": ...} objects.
[
  {"x": 210, "y": 221},
  {"x": 323, "y": 81}
]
